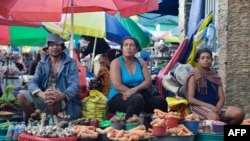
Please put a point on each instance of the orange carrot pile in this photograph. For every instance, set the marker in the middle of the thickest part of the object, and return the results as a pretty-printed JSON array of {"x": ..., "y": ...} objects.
[
  {"x": 180, "y": 130},
  {"x": 121, "y": 135},
  {"x": 192, "y": 117},
  {"x": 158, "y": 122},
  {"x": 83, "y": 131},
  {"x": 160, "y": 114}
]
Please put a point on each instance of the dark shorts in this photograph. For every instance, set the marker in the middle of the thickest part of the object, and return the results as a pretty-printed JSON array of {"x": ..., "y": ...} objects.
[{"x": 38, "y": 102}]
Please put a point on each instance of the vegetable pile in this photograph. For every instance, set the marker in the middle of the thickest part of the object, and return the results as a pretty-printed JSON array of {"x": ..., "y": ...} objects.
[{"x": 8, "y": 102}]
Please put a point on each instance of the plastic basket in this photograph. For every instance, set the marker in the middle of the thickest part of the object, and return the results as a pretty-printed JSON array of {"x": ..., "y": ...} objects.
[
  {"x": 173, "y": 138},
  {"x": 27, "y": 137},
  {"x": 193, "y": 126},
  {"x": 2, "y": 138},
  {"x": 171, "y": 122},
  {"x": 3, "y": 131}
]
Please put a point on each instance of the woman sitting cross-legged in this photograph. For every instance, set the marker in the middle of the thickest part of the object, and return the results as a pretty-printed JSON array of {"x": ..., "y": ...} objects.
[{"x": 204, "y": 92}]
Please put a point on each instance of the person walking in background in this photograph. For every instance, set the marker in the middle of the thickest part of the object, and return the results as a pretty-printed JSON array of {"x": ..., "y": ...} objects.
[
  {"x": 33, "y": 65},
  {"x": 129, "y": 76},
  {"x": 101, "y": 46},
  {"x": 3, "y": 71},
  {"x": 55, "y": 86},
  {"x": 112, "y": 54},
  {"x": 204, "y": 92}
]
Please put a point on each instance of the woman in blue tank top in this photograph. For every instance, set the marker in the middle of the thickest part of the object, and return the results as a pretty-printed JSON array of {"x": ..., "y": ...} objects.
[
  {"x": 204, "y": 91},
  {"x": 128, "y": 76}
]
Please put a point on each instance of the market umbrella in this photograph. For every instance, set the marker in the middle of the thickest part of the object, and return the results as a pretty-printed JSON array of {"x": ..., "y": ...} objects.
[
  {"x": 51, "y": 10},
  {"x": 103, "y": 25},
  {"x": 10, "y": 21},
  {"x": 134, "y": 30},
  {"x": 31, "y": 36}
]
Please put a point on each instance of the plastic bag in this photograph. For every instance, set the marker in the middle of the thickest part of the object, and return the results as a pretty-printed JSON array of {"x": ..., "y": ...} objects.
[
  {"x": 95, "y": 105},
  {"x": 178, "y": 105}
]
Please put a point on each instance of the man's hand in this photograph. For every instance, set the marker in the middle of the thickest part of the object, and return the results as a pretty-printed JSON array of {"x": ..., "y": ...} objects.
[{"x": 53, "y": 96}]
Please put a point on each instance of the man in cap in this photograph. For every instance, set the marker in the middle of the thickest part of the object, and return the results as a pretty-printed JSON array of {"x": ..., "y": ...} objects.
[{"x": 54, "y": 87}]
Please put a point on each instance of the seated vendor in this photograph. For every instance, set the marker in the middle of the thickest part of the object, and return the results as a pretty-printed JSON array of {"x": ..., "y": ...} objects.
[{"x": 53, "y": 88}]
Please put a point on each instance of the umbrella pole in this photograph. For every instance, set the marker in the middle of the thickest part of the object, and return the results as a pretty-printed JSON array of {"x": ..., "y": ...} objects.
[
  {"x": 93, "y": 55},
  {"x": 72, "y": 31}
]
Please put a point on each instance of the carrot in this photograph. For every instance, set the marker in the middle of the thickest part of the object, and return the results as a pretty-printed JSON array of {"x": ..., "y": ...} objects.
[
  {"x": 123, "y": 139},
  {"x": 185, "y": 129},
  {"x": 150, "y": 130},
  {"x": 111, "y": 135},
  {"x": 162, "y": 123},
  {"x": 85, "y": 135},
  {"x": 133, "y": 138},
  {"x": 140, "y": 133},
  {"x": 90, "y": 127},
  {"x": 120, "y": 134},
  {"x": 108, "y": 129},
  {"x": 140, "y": 127},
  {"x": 100, "y": 131},
  {"x": 155, "y": 121},
  {"x": 180, "y": 133},
  {"x": 159, "y": 112}
]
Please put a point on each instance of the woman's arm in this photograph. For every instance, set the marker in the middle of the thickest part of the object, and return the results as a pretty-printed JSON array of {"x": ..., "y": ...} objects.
[
  {"x": 147, "y": 77},
  {"x": 115, "y": 76},
  {"x": 191, "y": 95},
  {"x": 221, "y": 96}
]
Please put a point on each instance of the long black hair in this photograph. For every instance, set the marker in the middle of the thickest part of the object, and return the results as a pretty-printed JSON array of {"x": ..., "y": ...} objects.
[{"x": 134, "y": 39}]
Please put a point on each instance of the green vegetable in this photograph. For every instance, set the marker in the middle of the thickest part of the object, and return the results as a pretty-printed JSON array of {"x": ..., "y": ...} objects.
[
  {"x": 5, "y": 125},
  {"x": 8, "y": 96}
]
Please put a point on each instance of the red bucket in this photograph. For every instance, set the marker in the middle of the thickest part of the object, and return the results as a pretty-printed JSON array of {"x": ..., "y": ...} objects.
[
  {"x": 171, "y": 122},
  {"x": 159, "y": 130}
]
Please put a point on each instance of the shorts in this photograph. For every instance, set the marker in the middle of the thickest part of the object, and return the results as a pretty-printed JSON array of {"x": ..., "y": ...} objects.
[
  {"x": 203, "y": 111},
  {"x": 38, "y": 102}
]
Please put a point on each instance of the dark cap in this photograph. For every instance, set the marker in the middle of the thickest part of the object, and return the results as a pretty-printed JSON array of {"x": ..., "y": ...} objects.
[{"x": 56, "y": 39}]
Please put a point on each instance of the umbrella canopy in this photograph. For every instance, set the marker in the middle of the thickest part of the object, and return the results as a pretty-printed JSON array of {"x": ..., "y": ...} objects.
[
  {"x": 170, "y": 36},
  {"x": 103, "y": 25},
  {"x": 10, "y": 21},
  {"x": 51, "y": 10},
  {"x": 97, "y": 24},
  {"x": 134, "y": 30},
  {"x": 23, "y": 35}
]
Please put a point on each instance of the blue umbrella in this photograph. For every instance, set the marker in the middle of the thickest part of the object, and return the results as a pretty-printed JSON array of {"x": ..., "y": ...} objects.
[{"x": 97, "y": 24}]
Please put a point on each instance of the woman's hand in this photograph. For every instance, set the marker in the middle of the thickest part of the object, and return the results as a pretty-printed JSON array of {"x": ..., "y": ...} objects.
[
  {"x": 213, "y": 108},
  {"x": 128, "y": 93}
]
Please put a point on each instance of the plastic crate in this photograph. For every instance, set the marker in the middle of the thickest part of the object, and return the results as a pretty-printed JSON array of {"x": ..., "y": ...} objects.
[
  {"x": 27, "y": 137},
  {"x": 209, "y": 137}
]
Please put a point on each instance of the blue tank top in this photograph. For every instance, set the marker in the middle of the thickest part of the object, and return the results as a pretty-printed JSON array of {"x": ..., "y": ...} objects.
[
  {"x": 130, "y": 80},
  {"x": 211, "y": 96}
]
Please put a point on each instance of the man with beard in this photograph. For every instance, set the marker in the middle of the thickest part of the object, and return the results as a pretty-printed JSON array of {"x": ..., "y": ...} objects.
[{"x": 53, "y": 88}]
